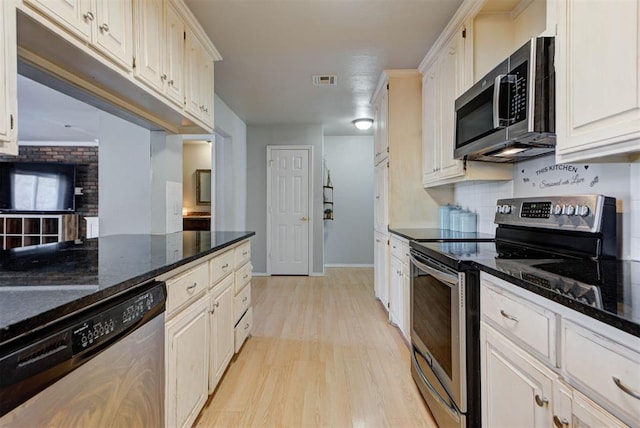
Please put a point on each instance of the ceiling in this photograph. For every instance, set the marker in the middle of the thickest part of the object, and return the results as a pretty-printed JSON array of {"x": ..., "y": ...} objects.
[{"x": 271, "y": 49}]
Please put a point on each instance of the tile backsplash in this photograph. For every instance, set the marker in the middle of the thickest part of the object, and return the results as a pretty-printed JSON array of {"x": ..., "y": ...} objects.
[{"x": 542, "y": 176}]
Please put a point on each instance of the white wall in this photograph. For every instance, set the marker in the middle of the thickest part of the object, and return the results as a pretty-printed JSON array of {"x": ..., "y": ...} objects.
[
  {"x": 166, "y": 183},
  {"x": 541, "y": 177},
  {"x": 348, "y": 239},
  {"x": 230, "y": 169},
  {"x": 258, "y": 138},
  {"x": 124, "y": 177}
]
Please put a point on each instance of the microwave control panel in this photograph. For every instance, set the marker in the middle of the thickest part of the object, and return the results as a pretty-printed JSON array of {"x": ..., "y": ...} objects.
[{"x": 518, "y": 93}]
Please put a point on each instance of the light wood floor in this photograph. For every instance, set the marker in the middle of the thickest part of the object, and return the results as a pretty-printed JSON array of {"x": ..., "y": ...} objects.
[{"x": 322, "y": 354}]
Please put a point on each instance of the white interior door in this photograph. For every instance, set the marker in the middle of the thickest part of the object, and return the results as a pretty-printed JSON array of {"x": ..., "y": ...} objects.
[{"x": 288, "y": 205}]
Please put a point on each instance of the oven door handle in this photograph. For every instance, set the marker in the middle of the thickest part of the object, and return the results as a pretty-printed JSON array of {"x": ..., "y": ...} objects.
[
  {"x": 450, "y": 280},
  {"x": 454, "y": 412}
]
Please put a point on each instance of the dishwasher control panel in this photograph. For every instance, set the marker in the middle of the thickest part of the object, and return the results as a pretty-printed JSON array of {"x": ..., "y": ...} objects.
[{"x": 112, "y": 322}]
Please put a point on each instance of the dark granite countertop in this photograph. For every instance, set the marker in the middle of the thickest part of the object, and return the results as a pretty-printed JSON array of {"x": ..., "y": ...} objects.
[
  {"x": 41, "y": 284},
  {"x": 435, "y": 235}
]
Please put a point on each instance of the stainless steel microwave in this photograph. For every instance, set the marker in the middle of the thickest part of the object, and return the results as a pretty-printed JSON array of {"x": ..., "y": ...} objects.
[{"x": 509, "y": 115}]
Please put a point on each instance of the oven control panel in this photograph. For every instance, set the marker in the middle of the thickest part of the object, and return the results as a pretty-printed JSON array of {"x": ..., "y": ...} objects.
[{"x": 579, "y": 212}]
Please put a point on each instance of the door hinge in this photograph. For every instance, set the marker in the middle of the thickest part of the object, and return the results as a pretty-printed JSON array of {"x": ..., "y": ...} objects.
[
  {"x": 11, "y": 122},
  {"x": 185, "y": 100},
  {"x": 134, "y": 62},
  {"x": 388, "y": 242},
  {"x": 184, "y": 33},
  {"x": 387, "y": 86},
  {"x": 464, "y": 33},
  {"x": 387, "y": 164}
]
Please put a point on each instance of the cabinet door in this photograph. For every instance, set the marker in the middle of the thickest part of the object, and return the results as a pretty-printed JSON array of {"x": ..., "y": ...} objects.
[
  {"x": 430, "y": 126},
  {"x": 8, "y": 75},
  {"x": 516, "y": 390},
  {"x": 381, "y": 136},
  {"x": 206, "y": 87},
  {"x": 451, "y": 81},
  {"x": 381, "y": 209},
  {"x": 149, "y": 43},
  {"x": 75, "y": 16},
  {"x": 187, "y": 364},
  {"x": 585, "y": 413},
  {"x": 221, "y": 331},
  {"x": 381, "y": 268},
  {"x": 396, "y": 300},
  {"x": 174, "y": 58},
  {"x": 114, "y": 35},
  {"x": 597, "y": 86},
  {"x": 193, "y": 58}
]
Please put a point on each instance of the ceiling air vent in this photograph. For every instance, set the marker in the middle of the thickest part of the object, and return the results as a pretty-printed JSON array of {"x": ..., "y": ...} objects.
[{"x": 325, "y": 79}]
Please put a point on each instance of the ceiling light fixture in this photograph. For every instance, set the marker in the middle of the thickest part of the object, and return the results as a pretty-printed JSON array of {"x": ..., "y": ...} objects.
[{"x": 363, "y": 124}]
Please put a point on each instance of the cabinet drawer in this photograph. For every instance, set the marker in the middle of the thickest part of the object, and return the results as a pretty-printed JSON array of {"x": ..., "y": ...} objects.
[
  {"x": 241, "y": 303},
  {"x": 221, "y": 266},
  {"x": 243, "y": 329},
  {"x": 522, "y": 321},
  {"x": 243, "y": 254},
  {"x": 397, "y": 247},
  {"x": 591, "y": 362},
  {"x": 186, "y": 286},
  {"x": 243, "y": 276}
]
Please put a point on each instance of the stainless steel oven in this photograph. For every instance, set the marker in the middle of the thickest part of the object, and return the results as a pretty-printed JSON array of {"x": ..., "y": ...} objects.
[{"x": 443, "y": 320}]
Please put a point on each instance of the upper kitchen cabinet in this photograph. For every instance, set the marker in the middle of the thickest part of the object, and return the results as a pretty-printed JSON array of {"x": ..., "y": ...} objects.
[
  {"x": 381, "y": 140},
  {"x": 129, "y": 57},
  {"x": 8, "y": 75},
  {"x": 598, "y": 80},
  {"x": 104, "y": 24},
  {"x": 160, "y": 46},
  {"x": 199, "y": 79}
]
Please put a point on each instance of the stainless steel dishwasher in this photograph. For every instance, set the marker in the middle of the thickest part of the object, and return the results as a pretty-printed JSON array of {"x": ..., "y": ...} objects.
[{"x": 103, "y": 366}]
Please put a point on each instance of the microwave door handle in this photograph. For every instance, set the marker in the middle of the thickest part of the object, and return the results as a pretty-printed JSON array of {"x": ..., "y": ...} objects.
[
  {"x": 450, "y": 280},
  {"x": 496, "y": 101}
]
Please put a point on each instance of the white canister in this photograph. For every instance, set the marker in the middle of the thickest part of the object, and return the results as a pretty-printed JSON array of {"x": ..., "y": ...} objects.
[
  {"x": 454, "y": 219},
  {"x": 443, "y": 216},
  {"x": 468, "y": 222}
]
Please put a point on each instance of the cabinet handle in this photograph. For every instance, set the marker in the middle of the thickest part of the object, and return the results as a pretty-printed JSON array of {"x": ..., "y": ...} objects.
[
  {"x": 163, "y": 77},
  {"x": 170, "y": 82},
  {"x": 212, "y": 311},
  {"x": 192, "y": 287},
  {"x": 560, "y": 422},
  {"x": 541, "y": 402},
  {"x": 245, "y": 299},
  {"x": 509, "y": 317},
  {"x": 201, "y": 108},
  {"x": 88, "y": 16},
  {"x": 246, "y": 276},
  {"x": 217, "y": 305},
  {"x": 105, "y": 28},
  {"x": 225, "y": 266},
  {"x": 245, "y": 253},
  {"x": 246, "y": 326},
  {"x": 622, "y": 386}
]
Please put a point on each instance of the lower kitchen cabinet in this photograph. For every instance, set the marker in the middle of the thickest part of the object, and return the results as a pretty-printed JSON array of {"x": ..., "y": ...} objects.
[
  {"x": 187, "y": 351},
  {"x": 516, "y": 390},
  {"x": 381, "y": 268},
  {"x": 221, "y": 334},
  {"x": 524, "y": 382}
]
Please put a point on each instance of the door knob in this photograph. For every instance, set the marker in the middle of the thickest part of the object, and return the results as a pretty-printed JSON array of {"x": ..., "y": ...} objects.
[{"x": 305, "y": 218}]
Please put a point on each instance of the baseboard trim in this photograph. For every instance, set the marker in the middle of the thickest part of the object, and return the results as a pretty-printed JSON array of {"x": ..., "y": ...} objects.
[
  {"x": 259, "y": 274},
  {"x": 348, "y": 265}
]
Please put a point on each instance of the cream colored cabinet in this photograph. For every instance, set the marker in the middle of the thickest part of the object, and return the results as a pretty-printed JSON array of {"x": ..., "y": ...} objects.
[
  {"x": 105, "y": 24},
  {"x": 220, "y": 330},
  {"x": 75, "y": 16},
  {"x": 399, "y": 285},
  {"x": 380, "y": 203},
  {"x": 381, "y": 139},
  {"x": 446, "y": 77},
  {"x": 199, "y": 80},
  {"x": 516, "y": 390},
  {"x": 519, "y": 333},
  {"x": 597, "y": 80},
  {"x": 8, "y": 76},
  {"x": 187, "y": 350},
  {"x": 160, "y": 34},
  {"x": 381, "y": 268},
  {"x": 242, "y": 313}
]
